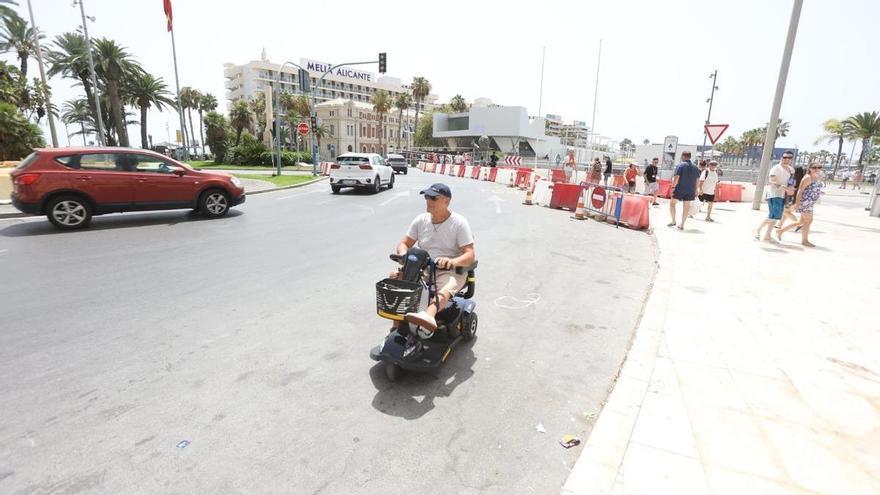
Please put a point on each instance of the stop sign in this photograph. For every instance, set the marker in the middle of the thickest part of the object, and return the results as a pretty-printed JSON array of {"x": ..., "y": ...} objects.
[
  {"x": 598, "y": 198},
  {"x": 303, "y": 128}
]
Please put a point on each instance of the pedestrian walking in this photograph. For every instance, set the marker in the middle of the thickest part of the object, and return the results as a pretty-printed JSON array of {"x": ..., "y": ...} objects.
[
  {"x": 777, "y": 187},
  {"x": 684, "y": 187},
  {"x": 596, "y": 172},
  {"x": 707, "y": 186},
  {"x": 608, "y": 170},
  {"x": 651, "y": 186},
  {"x": 857, "y": 180},
  {"x": 794, "y": 182},
  {"x": 493, "y": 160},
  {"x": 807, "y": 195},
  {"x": 631, "y": 173}
]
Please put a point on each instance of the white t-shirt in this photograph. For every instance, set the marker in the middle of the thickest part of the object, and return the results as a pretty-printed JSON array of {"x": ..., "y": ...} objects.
[
  {"x": 443, "y": 239},
  {"x": 710, "y": 180},
  {"x": 782, "y": 175}
]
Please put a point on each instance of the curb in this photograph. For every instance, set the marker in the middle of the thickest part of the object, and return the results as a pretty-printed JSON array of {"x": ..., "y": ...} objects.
[
  {"x": 286, "y": 187},
  {"x": 20, "y": 215}
]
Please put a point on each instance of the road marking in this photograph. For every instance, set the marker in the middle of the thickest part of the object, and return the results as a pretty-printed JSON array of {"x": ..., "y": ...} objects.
[
  {"x": 392, "y": 198},
  {"x": 497, "y": 201},
  {"x": 3, "y": 251}
]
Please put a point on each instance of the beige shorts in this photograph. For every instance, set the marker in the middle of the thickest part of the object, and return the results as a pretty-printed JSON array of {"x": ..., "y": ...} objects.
[{"x": 450, "y": 282}]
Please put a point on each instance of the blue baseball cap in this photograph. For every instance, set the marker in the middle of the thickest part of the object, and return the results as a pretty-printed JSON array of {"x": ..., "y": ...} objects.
[{"x": 437, "y": 190}]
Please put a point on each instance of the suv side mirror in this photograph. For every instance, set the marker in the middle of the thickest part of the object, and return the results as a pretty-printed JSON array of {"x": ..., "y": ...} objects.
[{"x": 179, "y": 172}]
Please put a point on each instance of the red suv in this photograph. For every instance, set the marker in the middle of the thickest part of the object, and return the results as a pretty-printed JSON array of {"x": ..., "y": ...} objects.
[{"x": 69, "y": 185}]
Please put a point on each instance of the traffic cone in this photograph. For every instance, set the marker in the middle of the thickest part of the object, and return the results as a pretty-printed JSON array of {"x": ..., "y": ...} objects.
[
  {"x": 528, "y": 201},
  {"x": 579, "y": 213}
]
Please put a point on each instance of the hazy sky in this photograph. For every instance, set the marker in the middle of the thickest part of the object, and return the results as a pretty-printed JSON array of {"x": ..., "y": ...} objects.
[{"x": 656, "y": 56}]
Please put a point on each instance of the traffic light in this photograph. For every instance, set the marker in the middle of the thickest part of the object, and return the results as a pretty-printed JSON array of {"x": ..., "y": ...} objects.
[
  {"x": 382, "y": 58},
  {"x": 314, "y": 123}
]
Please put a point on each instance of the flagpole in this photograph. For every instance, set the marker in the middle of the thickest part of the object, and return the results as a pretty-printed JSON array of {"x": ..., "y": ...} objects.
[{"x": 179, "y": 106}]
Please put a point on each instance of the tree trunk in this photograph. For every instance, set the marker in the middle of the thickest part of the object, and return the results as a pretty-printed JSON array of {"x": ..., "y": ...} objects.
[
  {"x": 23, "y": 56},
  {"x": 116, "y": 108},
  {"x": 416, "y": 126},
  {"x": 238, "y": 135},
  {"x": 201, "y": 132},
  {"x": 192, "y": 129},
  {"x": 144, "y": 126},
  {"x": 866, "y": 143},
  {"x": 82, "y": 129},
  {"x": 837, "y": 161},
  {"x": 399, "y": 125},
  {"x": 381, "y": 133}
]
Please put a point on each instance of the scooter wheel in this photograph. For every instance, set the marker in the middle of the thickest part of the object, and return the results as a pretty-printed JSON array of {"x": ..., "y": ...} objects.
[
  {"x": 470, "y": 327},
  {"x": 392, "y": 371}
]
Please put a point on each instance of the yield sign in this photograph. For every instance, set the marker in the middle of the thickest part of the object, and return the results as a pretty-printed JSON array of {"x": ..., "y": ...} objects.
[{"x": 714, "y": 131}]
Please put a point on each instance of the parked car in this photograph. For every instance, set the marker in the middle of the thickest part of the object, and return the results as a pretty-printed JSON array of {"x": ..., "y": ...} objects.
[
  {"x": 360, "y": 170},
  {"x": 397, "y": 163},
  {"x": 70, "y": 185}
]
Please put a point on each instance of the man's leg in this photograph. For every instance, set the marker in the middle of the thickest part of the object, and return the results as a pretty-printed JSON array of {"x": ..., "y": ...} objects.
[
  {"x": 709, "y": 211},
  {"x": 672, "y": 203},
  {"x": 686, "y": 206}
]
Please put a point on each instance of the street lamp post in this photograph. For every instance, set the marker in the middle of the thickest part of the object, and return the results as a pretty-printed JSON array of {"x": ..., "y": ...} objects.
[
  {"x": 770, "y": 138},
  {"x": 315, "y": 110},
  {"x": 714, "y": 77},
  {"x": 98, "y": 118},
  {"x": 43, "y": 77},
  {"x": 278, "y": 113}
]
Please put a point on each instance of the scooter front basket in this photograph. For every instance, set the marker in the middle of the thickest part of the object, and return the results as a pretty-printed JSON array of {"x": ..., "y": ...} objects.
[{"x": 395, "y": 298}]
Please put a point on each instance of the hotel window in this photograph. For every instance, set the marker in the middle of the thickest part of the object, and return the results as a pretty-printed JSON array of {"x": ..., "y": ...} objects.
[
  {"x": 349, "y": 112},
  {"x": 331, "y": 130}
]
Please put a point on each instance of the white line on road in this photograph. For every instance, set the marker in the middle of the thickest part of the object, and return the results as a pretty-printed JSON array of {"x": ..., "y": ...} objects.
[
  {"x": 392, "y": 198},
  {"x": 3, "y": 251},
  {"x": 497, "y": 201}
]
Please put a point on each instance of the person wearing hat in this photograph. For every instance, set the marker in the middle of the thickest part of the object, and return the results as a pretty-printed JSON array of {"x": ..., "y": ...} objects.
[{"x": 447, "y": 237}]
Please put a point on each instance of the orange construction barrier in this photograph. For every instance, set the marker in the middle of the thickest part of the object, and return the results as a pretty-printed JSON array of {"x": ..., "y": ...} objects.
[
  {"x": 476, "y": 173},
  {"x": 442, "y": 168},
  {"x": 558, "y": 176},
  {"x": 522, "y": 178},
  {"x": 634, "y": 211},
  {"x": 492, "y": 173},
  {"x": 565, "y": 196}
]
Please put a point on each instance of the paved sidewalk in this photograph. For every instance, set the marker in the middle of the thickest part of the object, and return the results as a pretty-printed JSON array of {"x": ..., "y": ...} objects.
[{"x": 755, "y": 368}]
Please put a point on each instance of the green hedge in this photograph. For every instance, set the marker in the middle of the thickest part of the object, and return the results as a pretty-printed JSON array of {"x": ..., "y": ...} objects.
[{"x": 250, "y": 151}]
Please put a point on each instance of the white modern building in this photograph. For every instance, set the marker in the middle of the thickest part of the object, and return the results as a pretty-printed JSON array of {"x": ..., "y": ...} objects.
[
  {"x": 508, "y": 129},
  {"x": 244, "y": 81}
]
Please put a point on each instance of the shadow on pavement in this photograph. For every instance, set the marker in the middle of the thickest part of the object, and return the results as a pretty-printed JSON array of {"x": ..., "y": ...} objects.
[
  {"x": 114, "y": 221},
  {"x": 399, "y": 398}
]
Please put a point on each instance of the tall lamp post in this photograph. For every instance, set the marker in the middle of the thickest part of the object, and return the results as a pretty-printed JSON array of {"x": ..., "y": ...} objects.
[
  {"x": 770, "y": 138},
  {"x": 278, "y": 114},
  {"x": 43, "y": 78},
  {"x": 98, "y": 118},
  {"x": 320, "y": 82},
  {"x": 714, "y": 77}
]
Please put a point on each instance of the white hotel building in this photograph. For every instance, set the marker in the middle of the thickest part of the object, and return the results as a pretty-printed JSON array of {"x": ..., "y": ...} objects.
[{"x": 347, "y": 89}]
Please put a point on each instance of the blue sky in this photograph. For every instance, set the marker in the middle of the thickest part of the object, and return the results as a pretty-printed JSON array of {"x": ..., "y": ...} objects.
[{"x": 655, "y": 61}]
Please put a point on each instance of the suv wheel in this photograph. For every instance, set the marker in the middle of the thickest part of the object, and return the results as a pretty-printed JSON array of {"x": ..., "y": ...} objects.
[
  {"x": 335, "y": 189},
  {"x": 69, "y": 212},
  {"x": 377, "y": 185},
  {"x": 391, "y": 184},
  {"x": 214, "y": 203}
]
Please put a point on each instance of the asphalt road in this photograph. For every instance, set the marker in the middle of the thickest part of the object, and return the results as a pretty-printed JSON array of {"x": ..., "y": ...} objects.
[{"x": 248, "y": 337}]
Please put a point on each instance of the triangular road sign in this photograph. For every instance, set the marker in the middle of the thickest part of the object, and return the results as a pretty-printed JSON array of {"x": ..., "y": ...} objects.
[{"x": 714, "y": 131}]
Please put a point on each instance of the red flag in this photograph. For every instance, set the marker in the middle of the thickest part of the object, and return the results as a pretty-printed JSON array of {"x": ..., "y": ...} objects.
[{"x": 168, "y": 15}]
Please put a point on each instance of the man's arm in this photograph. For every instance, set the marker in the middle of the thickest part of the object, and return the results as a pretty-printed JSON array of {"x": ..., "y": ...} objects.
[
  {"x": 405, "y": 243},
  {"x": 466, "y": 258}
]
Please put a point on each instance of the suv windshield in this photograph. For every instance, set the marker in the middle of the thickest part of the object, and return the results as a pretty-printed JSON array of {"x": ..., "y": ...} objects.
[{"x": 353, "y": 160}]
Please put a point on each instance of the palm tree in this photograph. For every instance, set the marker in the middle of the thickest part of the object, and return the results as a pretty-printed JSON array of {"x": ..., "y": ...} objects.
[
  {"x": 421, "y": 88},
  {"x": 6, "y": 11},
  {"x": 320, "y": 133},
  {"x": 864, "y": 126},
  {"x": 189, "y": 99},
  {"x": 834, "y": 131},
  {"x": 143, "y": 91},
  {"x": 401, "y": 103},
  {"x": 239, "y": 118},
  {"x": 381, "y": 105},
  {"x": 113, "y": 64},
  {"x": 207, "y": 103},
  {"x": 71, "y": 60},
  {"x": 76, "y": 112},
  {"x": 16, "y": 36},
  {"x": 648, "y": 141},
  {"x": 457, "y": 104}
]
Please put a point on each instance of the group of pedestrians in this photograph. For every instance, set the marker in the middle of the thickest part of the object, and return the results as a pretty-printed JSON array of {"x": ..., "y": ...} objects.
[
  {"x": 791, "y": 190},
  {"x": 689, "y": 183}
]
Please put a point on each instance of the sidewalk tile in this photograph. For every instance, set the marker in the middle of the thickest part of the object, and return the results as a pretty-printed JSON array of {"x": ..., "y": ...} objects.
[
  {"x": 815, "y": 465},
  {"x": 627, "y": 396},
  {"x": 707, "y": 386},
  {"x": 609, "y": 438},
  {"x": 727, "y": 482},
  {"x": 651, "y": 471},
  {"x": 732, "y": 439},
  {"x": 663, "y": 379},
  {"x": 663, "y": 423},
  {"x": 590, "y": 478},
  {"x": 776, "y": 399}
]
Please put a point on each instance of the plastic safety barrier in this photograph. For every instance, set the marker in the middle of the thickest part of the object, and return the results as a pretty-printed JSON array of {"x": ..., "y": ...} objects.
[
  {"x": 565, "y": 196},
  {"x": 523, "y": 178},
  {"x": 475, "y": 173},
  {"x": 461, "y": 170},
  {"x": 505, "y": 176},
  {"x": 558, "y": 176},
  {"x": 729, "y": 192},
  {"x": 543, "y": 192},
  {"x": 442, "y": 168},
  {"x": 664, "y": 188},
  {"x": 493, "y": 173},
  {"x": 634, "y": 210}
]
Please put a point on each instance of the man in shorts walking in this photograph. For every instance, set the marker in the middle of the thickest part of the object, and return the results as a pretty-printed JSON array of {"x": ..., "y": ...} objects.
[
  {"x": 684, "y": 187},
  {"x": 777, "y": 188},
  {"x": 707, "y": 186},
  {"x": 651, "y": 186}
]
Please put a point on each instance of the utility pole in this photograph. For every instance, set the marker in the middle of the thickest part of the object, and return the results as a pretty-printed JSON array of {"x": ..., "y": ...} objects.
[
  {"x": 43, "y": 77},
  {"x": 98, "y": 118},
  {"x": 770, "y": 138},
  {"x": 540, "y": 98},
  {"x": 714, "y": 78},
  {"x": 595, "y": 99}
]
